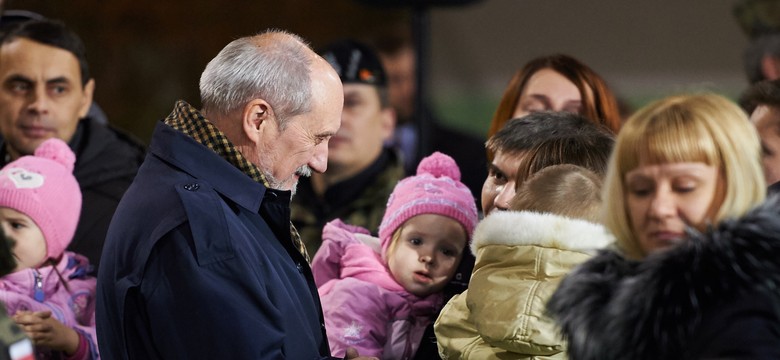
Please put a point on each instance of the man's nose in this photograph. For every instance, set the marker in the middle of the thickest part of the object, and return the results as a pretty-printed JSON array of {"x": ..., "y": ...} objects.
[
  {"x": 39, "y": 102},
  {"x": 319, "y": 160}
]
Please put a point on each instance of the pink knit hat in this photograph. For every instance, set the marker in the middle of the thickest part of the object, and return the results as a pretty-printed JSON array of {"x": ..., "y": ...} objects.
[
  {"x": 436, "y": 189},
  {"x": 42, "y": 187}
]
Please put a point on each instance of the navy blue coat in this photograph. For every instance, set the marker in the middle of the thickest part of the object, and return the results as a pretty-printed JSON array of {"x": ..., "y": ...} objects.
[{"x": 199, "y": 264}]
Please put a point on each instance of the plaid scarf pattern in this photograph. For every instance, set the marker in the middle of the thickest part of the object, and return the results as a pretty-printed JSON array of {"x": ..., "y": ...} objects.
[{"x": 188, "y": 120}]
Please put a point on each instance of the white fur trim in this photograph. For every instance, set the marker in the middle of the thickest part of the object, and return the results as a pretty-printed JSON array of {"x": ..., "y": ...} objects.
[
  {"x": 542, "y": 229},
  {"x": 372, "y": 242}
]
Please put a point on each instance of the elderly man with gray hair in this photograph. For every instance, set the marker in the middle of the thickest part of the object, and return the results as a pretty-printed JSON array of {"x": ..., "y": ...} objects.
[{"x": 201, "y": 260}]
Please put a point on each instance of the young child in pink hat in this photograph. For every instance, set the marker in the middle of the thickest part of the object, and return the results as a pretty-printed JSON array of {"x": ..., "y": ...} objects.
[
  {"x": 379, "y": 294},
  {"x": 50, "y": 294}
]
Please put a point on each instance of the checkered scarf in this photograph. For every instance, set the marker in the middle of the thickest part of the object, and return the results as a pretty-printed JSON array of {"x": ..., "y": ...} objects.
[{"x": 191, "y": 122}]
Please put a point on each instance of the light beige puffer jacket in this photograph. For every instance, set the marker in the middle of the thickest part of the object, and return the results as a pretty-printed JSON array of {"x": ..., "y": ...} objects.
[{"x": 521, "y": 258}]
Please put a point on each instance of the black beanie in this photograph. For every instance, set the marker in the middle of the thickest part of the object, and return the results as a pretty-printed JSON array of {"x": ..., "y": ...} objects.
[{"x": 355, "y": 63}]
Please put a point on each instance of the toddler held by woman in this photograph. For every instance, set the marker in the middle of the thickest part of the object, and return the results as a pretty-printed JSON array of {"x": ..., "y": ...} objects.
[{"x": 378, "y": 295}]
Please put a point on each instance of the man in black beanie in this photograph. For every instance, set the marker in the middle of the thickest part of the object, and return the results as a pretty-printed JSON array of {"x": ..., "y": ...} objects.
[{"x": 362, "y": 171}]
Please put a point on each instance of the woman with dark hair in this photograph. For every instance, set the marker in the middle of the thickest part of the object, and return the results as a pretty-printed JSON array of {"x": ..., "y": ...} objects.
[
  {"x": 522, "y": 254},
  {"x": 557, "y": 83}
]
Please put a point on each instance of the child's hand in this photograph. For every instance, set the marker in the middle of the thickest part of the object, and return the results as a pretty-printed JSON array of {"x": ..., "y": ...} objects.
[
  {"x": 44, "y": 330},
  {"x": 352, "y": 354}
]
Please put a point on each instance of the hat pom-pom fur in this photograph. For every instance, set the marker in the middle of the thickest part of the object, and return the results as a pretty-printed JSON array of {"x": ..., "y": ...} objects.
[
  {"x": 57, "y": 150},
  {"x": 438, "y": 165}
]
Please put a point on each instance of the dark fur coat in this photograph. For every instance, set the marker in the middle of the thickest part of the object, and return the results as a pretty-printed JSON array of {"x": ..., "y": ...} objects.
[{"x": 714, "y": 296}]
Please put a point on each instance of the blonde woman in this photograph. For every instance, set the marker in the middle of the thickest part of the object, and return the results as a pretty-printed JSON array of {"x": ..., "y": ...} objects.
[{"x": 697, "y": 265}]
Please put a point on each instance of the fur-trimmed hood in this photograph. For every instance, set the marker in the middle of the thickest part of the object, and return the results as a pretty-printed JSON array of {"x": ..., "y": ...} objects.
[
  {"x": 543, "y": 229},
  {"x": 614, "y": 308},
  {"x": 521, "y": 258}
]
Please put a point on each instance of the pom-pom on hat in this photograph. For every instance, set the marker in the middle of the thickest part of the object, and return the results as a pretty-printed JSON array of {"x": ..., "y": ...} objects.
[
  {"x": 42, "y": 186},
  {"x": 436, "y": 189}
]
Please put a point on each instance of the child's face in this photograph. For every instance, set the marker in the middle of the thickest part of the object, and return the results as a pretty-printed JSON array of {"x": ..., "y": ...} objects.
[
  {"x": 427, "y": 253},
  {"x": 29, "y": 247}
]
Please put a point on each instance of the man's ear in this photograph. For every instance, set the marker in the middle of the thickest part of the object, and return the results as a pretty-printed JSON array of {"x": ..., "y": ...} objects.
[
  {"x": 389, "y": 119},
  {"x": 256, "y": 117},
  {"x": 86, "y": 101}
]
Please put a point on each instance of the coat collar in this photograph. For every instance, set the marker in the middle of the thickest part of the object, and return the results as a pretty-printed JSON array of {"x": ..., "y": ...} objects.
[
  {"x": 542, "y": 229},
  {"x": 70, "y": 266},
  {"x": 192, "y": 123},
  {"x": 176, "y": 148},
  {"x": 612, "y": 307}
]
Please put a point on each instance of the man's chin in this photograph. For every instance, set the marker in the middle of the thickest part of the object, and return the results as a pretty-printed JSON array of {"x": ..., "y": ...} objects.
[{"x": 286, "y": 186}]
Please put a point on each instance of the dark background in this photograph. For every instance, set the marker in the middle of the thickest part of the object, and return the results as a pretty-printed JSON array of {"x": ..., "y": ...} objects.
[{"x": 146, "y": 54}]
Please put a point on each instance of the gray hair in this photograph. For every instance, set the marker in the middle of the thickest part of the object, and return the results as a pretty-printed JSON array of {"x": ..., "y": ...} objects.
[{"x": 274, "y": 65}]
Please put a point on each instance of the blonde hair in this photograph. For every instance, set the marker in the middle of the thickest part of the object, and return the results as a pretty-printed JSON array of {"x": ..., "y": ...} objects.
[
  {"x": 567, "y": 190},
  {"x": 705, "y": 128},
  {"x": 393, "y": 243}
]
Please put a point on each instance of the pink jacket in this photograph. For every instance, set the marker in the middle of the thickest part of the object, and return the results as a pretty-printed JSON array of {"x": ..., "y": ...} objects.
[
  {"x": 364, "y": 306},
  {"x": 41, "y": 290}
]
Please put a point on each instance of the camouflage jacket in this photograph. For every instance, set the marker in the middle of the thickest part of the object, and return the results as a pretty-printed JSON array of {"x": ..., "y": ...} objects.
[
  {"x": 13, "y": 342},
  {"x": 311, "y": 212}
]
